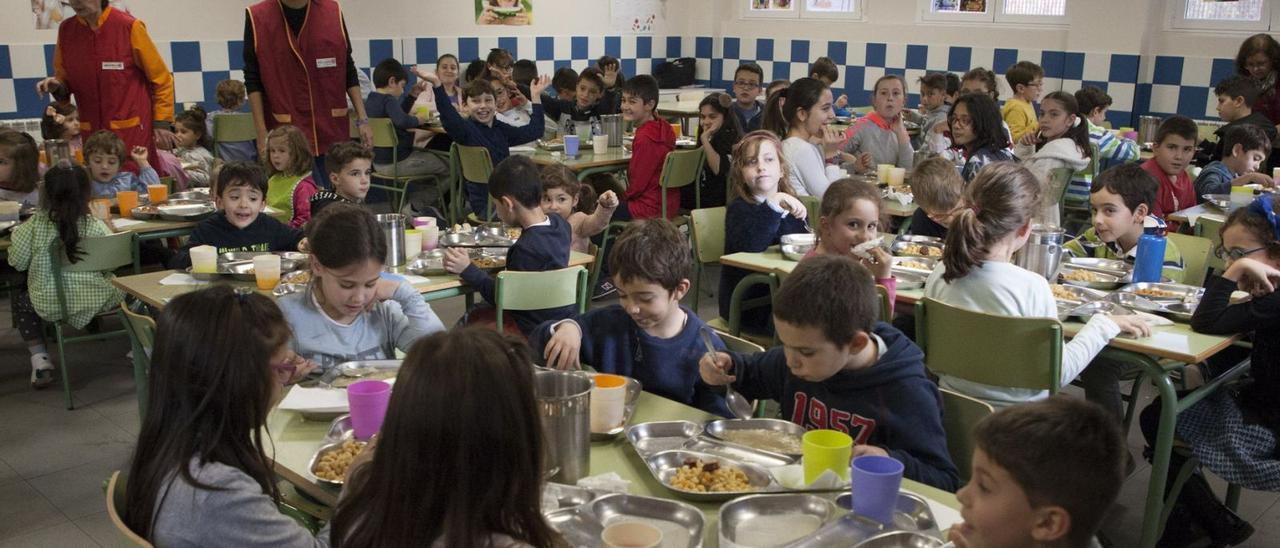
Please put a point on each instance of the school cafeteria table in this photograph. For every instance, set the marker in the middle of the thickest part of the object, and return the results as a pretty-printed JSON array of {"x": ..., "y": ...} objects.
[
  {"x": 157, "y": 229},
  {"x": 296, "y": 440},
  {"x": 1192, "y": 214},
  {"x": 147, "y": 287},
  {"x": 587, "y": 162},
  {"x": 1177, "y": 343},
  {"x": 686, "y": 111}
]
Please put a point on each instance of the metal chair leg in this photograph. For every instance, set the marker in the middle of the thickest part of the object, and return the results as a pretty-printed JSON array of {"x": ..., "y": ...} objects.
[{"x": 63, "y": 370}]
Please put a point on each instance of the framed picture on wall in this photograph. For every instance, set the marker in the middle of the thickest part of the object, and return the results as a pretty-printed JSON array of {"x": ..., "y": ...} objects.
[
  {"x": 504, "y": 12},
  {"x": 51, "y": 13}
]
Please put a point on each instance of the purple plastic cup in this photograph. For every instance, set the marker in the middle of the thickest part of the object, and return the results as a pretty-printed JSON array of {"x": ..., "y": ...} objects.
[
  {"x": 875, "y": 481},
  {"x": 571, "y": 145},
  {"x": 368, "y": 402}
]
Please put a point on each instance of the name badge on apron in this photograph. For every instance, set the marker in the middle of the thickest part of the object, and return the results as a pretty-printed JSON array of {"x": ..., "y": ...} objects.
[
  {"x": 327, "y": 62},
  {"x": 112, "y": 65}
]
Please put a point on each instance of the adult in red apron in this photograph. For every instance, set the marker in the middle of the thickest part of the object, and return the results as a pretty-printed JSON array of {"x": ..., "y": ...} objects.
[
  {"x": 298, "y": 71},
  {"x": 119, "y": 81}
]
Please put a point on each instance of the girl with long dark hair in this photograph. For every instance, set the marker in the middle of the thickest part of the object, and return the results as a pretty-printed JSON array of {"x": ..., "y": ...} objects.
[
  {"x": 978, "y": 133},
  {"x": 1061, "y": 142}
]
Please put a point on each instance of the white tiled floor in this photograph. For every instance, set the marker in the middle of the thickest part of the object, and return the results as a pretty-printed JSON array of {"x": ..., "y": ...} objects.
[{"x": 53, "y": 461}]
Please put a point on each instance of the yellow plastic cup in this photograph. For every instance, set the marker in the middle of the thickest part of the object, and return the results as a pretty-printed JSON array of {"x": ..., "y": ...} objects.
[
  {"x": 882, "y": 172},
  {"x": 826, "y": 450}
]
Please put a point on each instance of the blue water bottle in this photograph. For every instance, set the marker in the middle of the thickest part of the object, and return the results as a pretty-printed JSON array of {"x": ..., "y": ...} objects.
[{"x": 1149, "y": 265}]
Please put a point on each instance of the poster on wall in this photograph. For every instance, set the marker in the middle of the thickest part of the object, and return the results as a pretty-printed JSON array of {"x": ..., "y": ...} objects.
[
  {"x": 51, "y": 13},
  {"x": 504, "y": 12},
  {"x": 772, "y": 5},
  {"x": 639, "y": 16}
]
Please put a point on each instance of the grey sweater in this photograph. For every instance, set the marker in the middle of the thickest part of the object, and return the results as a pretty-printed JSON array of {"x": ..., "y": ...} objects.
[
  {"x": 375, "y": 335},
  {"x": 881, "y": 143},
  {"x": 238, "y": 514}
]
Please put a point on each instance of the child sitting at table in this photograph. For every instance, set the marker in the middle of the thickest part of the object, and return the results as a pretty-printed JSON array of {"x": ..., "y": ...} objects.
[
  {"x": 934, "y": 103},
  {"x": 1113, "y": 149},
  {"x": 849, "y": 217},
  {"x": 543, "y": 244},
  {"x": 390, "y": 78},
  {"x": 565, "y": 83},
  {"x": 290, "y": 185},
  {"x": 771, "y": 118},
  {"x": 104, "y": 153},
  {"x": 240, "y": 224},
  {"x": 576, "y": 202},
  {"x": 1236, "y": 96},
  {"x": 1025, "y": 79},
  {"x": 977, "y": 134},
  {"x": 431, "y": 440},
  {"x": 61, "y": 120},
  {"x": 654, "y": 139},
  {"x": 881, "y": 136},
  {"x": 350, "y": 168},
  {"x": 508, "y": 112},
  {"x": 762, "y": 210},
  {"x": 1244, "y": 150},
  {"x": 1175, "y": 143},
  {"x": 840, "y": 369},
  {"x": 587, "y": 101},
  {"x": 65, "y": 216},
  {"x": 200, "y": 473},
  {"x": 992, "y": 223},
  {"x": 19, "y": 168},
  {"x": 824, "y": 70},
  {"x": 343, "y": 314},
  {"x": 747, "y": 79},
  {"x": 718, "y": 133},
  {"x": 806, "y": 108},
  {"x": 1061, "y": 142},
  {"x": 648, "y": 336},
  {"x": 192, "y": 149},
  {"x": 611, "y": 71},
  {"x": 1044, "y": 474},
  {"x": 936, "y": 187},
  {"x": 1121, "y": 199},
  {"x": 231, "y": 96}
]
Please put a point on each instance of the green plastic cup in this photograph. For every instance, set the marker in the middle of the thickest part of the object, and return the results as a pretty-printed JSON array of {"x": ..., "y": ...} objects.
[{"x": 826, "y": 450}]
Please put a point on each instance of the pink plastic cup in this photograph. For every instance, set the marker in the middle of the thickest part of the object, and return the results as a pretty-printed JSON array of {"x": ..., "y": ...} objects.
[{"x": 368, "y": 402}]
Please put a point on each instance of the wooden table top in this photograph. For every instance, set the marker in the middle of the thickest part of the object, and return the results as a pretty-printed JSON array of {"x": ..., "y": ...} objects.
[{"x": 586, "y": 158}]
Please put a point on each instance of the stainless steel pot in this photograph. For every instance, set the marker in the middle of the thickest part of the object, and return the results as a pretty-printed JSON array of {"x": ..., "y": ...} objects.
[{"x": 1043, "y": 252}]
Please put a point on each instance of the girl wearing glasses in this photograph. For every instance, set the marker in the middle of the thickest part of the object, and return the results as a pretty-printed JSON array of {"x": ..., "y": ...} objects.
[{"x": 977, "y": 133}]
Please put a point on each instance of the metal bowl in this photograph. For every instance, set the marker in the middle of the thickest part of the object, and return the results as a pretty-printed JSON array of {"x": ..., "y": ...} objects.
[
  {"x": 1220, "y": 201},
  {"x": 454, "y": 239},
  {"x": 796, "y": 246},
  {"x": 430, "y": 263},
  {"x": 1103, "y": 281},
  {"x": 910, "y": 264},
  {"x": 908, "y": 279},
  {"x": 901, "y": 539},
  {"x": 1179, "y": 312},
  {"x": 720, "y": 428},
  {"x": 780, "y": 519},
  {"x": 315, "y": 459}
]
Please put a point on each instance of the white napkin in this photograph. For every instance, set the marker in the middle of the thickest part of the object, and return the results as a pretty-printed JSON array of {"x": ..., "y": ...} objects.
[
  {"x": 179, "y": 278},
  {"x": 945, "y": 516},
  {"x": 609, "y": 481},
  {"x": 413, "y": 279},
  {"x": 522, "y": 149},
  {"x": 791, "y": 476},
  {"x": 1152, "y": 319},
  {"x": 316, "y": 400},
  {"x": 901, "y": 198},
  {"x": 125, "y": 223}
]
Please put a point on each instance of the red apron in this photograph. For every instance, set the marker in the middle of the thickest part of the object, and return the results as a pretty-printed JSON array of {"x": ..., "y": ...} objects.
[
  {"x": 112, "y": 92},
  {"x": 304, "y": 77}
]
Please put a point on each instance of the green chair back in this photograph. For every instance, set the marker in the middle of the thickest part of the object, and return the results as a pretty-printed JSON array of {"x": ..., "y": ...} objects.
[
  {"x": 812, "y": 205},
  {"x": 886, "y": 307},
  {"x": 142, "y": 337},
  {"x": 99, "y": 254},
  {"x": 682, "y": 168},
  {"x": 1195, "y": 258},
  {"x": 960, "y": 414},
  {"x": 233, "y": 128},
  {"x": 384, "y": 132},
  {"x": 739, "y": 344},
  {"x": 1211, "y": 229},
  {"x": 990, "y": 349},
  {"x": 706, "y": 231},
  {"x": 115, "y": 503},
  {"x": 474, "y": 165},
  {"x": 384, "y": 136},
  {"x": 540, "y": 290}
]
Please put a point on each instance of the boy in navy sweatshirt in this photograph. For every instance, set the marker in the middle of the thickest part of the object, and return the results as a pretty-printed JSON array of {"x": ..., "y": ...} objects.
[
  {"x": 647, "y": 336},
  {"x": 589, "y": 100},
  {"x": 839, "y": 369},
  {"x": 240, "y": 192},
  {"x": 482, "y": 128},
  {"x": 543, "y": 245}
]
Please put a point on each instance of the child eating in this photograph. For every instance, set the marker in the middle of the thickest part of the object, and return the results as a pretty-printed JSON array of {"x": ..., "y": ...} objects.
[
  {"x": 806, "y": 107},
  {"x": 240, "y": 224},
  {"x": 839, "y": 369},
  {"x": 936, "y": 187},
  {"x": 1236, "y": 96},
  {"x": 1113, "y": 150},
  {"x": 193, "y": 146},
  {"x": 1244, "y": 150},
  {"x": 564, "y": 195},
  {"x": 104, "y": 153},
  {"x": 881, "y": 136},
  {"x": 850, "y": 217}
]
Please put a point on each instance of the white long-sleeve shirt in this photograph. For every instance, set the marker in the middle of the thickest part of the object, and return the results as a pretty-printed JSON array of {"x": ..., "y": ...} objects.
[
  {"x": 1009, "y": 290},
  {"x": 808, "y": 167}
]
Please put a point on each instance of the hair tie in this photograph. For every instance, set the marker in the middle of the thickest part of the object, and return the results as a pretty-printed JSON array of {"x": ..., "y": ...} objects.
[
  {"x": 1265, "y": 207},
  {"x": 1077, "y": 123},
  {"x": 977, "y": 210}
]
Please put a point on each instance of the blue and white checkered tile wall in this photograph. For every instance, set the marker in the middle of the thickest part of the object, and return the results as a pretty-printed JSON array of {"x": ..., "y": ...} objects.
[{"x": 1153, "y": 84}]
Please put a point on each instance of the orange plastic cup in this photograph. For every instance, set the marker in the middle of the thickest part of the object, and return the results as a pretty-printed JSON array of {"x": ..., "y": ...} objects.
[
  {"x": 157, "y": 193},
  {"x": 675, "y": 128},
  {"x": 80, "y": 156},
  {"x": 127, "y": 200},
  {"x": 105, "y": 205},
  {"x": 605, "y": 380}
]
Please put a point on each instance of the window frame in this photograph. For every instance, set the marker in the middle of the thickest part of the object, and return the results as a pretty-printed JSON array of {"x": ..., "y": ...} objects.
[
  {"x": 994, "y": 15},
  {"x": 799, "y": 11},
  {"x": 1177, "y": 21}
]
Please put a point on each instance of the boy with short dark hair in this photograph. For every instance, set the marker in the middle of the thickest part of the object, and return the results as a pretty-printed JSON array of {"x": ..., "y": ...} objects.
[
  {"x": 1245, "y": 148},
  {"x": 389, "y": 79},
  {"x": 588, "y": 102},
  {"x": 747, "y": 80},
  {"x": 1113, "y": 150},
  {"x": 838, "y": 368},
  {"x": 516, "y": 189},
  {"x": 1044, "y": 474},
  {"x": 350, "y": 168},
  {"x": 240, "y": 193},
  {"x": 1025, "y": 79},
  {"x": 1174, "y": 145},
  {"x": 936, "y": 186},
  {"x": 653, "y": 141},
  {"x": 1236, "y": 95},
  {"x": 523, "y": 72},
  {"x": 934, "y": 106},
  {"x": 1121, "y": 198},
  {"x": 648, "y": 336},
  {"x": 105, "y": 154},
  {"x": 565, "y": 82},
  {"x": 824, "y": 70}
]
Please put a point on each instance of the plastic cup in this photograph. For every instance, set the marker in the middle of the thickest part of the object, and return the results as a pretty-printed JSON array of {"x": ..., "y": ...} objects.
[
  {"x": 631, "y": 534},
  {"x": 882, "y": 172},
  {"x": 600, "y": 143},
  {"x": 570, "y": 145},
  {"x": 430, "y": 237},
  {"x": 103, "y": 204},
  {"x": 423, "y": 222},
  {"x": 204, "y": 259},
  {"x": 826, "y": 450},
  {"x": 412, "y": 243},
  {"x": 875, "y": 487},
  {"x": 266, "y": 271},
  {"x": 608, "y": 402},
  {"x": 897, "y": 176},
  {"x": 79, "y": 156},
  {"x": 127, "y": 200},
  {"x": 368, "y": 403},
  {"x": 677, "y": 129},
  {"x": 157, "y": 193},
  {"x": 1275, "y": 173}
]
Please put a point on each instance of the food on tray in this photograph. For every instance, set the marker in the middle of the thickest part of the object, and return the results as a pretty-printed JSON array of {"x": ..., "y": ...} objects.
[
  {"x": 513, "y": 233},
  {"x": 913, "y": 264},
  {"x": 333, "y": 465},
  {"x": 487, "y": 262},
  {"x": 464, "y": 227},
  {"x": 768, "y": 440},
  {"x": 710, "y": 477},
  {"x": 297, "y": 277},
  {"x": 380, "y": 375},
  {"x": 1063, "y": 294},
  {"x": 1157, "y": 293},
  {"x": 1083, "y": 276},
  {"x": 554, "y": 140},
  {"x": 922, "y": 250}
]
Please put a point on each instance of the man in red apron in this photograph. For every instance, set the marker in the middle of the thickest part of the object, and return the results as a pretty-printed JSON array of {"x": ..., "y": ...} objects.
[
  {"x": 298, "y": 71},
  {"x": 120, "y": 83}
]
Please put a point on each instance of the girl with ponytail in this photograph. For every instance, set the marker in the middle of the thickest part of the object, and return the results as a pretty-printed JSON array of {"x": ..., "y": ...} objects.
[
  {"x": 993, "y": 222},
  {"x": 1062, "y": 142}
]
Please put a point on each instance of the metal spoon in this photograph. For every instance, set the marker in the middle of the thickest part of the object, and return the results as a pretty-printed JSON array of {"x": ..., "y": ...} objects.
[{"x": 738, "y": 404}]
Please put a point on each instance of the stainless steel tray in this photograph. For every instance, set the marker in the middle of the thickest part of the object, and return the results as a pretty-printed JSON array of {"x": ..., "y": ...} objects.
[
  {"x": 428, "y": 264},
  {"x": 774, "y": 520},
  {"x": 634, "y": 388},
  {"x": 664, "y": 465},
  {"x": 1219, "y": 201},
  {"x": 1102, "y": 280},
  {"x": 1086, "y": 311},
  {"x": 1080, "y": 295},
  {"x": 908, "y": 279},
  {"x": 1105, "y": 266},
  {"x": 907, "y": 248},
  {"x": 1134, "y": 302},
  {"x": 651, "y": 438},
  {"x": 186, "y": 212},
  {"x": 315, "y": 459},
  {"x": 921, "y": 265},
  {"x": 719, "y": 428},
  {"x": 919, "y": 239},
  {"x": 567, "y": 496},
  {"x": 913, "y": 525},
  {"x": 156, "y": 211},
  {"x": 1179, "y": 293},
  {"x": 1179, "y": 312},
  {"x": 681, "y": 524},
  {"x": 239, "y": 265}
]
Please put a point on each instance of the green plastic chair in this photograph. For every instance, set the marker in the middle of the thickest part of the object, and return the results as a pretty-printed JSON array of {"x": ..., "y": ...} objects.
[
  {"x": 706, "y": 234},
  {"x": 960, "y": 414},
  {"x": 474, "y": 165},
  {"x": 142, "y": 336},
  {"x": 1195, "y": 258},
  {"x": 886, "y": 307},
  {"x": 760, "y": 408},
  {"x": 682, "y": 168},
  {"x": 1211, "y": 229},
  {"x": 100, "y": 254},
  {"x": 115, "y": 504},
  {"x": 812, "y": 205},
  {"x": 1061, "y": 176},
  {"x": 384, "y": 136},
  {"x": 738, "y": 302},
  {"x": 540, "y": 290},
  {"x": 990, "y": 349},
  {"x": 1075, "y": 212},
  {"x": 610, "y": 232},
  {"x": 233, "y": 128}
]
